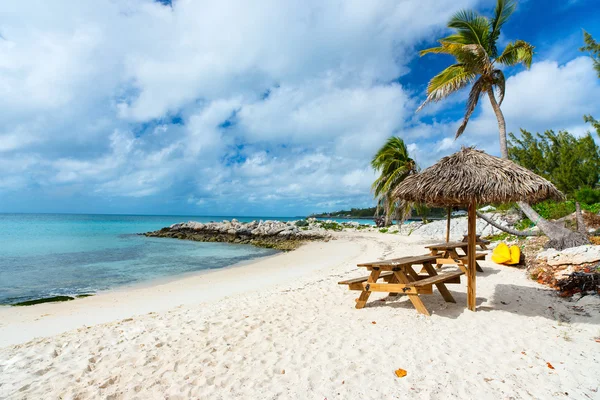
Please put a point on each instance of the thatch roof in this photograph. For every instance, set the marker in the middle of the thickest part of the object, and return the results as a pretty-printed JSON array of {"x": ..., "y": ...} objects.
[{"x": 471, "y": 174}]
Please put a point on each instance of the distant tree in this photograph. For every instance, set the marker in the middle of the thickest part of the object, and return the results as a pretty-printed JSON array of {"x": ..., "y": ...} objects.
[
  {"x": 593, "y": 48},
  {"x": 473, "y": 44},
  {"x": 393, "y": 163},
  {"x": 570, "y": 162}
]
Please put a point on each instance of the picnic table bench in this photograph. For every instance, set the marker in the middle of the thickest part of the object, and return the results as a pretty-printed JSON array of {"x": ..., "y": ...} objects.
[
  {"x": 448, "y": 252},
  {"x": 399, "y": 276}
]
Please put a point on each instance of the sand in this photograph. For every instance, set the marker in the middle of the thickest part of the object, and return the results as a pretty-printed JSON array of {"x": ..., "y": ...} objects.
[{"x": 281, "y": 328}]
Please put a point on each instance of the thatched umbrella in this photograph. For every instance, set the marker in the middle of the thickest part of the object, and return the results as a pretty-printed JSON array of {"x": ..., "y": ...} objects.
[{"x": 471, "y": 177}]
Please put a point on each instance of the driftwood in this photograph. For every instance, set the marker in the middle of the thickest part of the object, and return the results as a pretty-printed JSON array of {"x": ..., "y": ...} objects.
[
  {"x": 507, "y": 229},
  {"x": 579, "y": 218}
]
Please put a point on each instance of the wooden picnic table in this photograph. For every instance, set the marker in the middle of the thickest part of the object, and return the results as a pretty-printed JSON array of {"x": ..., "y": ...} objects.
[
  {"x": 399, "y": 276},
  {"x": 448, "y": 251},
  {"x": 478, "y": 241}
]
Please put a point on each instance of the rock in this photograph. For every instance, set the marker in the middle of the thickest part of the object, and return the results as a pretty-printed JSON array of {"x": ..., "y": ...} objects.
[
  {"x": 271, "y": 234},
  {"x": 574, "y": 255}
]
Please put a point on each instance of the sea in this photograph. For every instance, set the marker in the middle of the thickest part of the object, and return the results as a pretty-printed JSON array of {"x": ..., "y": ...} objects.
[{"x": 47, "y": 255}]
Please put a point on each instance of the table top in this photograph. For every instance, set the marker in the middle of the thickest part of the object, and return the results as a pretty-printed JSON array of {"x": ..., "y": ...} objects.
[
  {"x": 401, "y": 262},
  {"x": 447, "y": 246}
]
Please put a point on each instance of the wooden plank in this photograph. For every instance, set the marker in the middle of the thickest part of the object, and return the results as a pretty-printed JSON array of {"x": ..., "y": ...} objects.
[
  {"x": 384, "y": 287},
  {"x": 447, "y": 246},
  {"x": 478, "y": 256},
  {"x": 441, "y": 286},
  {"x": 398, "y": 262},
  {"x": 441, "y": 278},
  {"x": 471, "y": 263},
  {"x": 364, "y": 296},
  {"x": 364, "y": 278},
  {"x": 414, "y": 298},
  {"x": 448, "y": 225}
]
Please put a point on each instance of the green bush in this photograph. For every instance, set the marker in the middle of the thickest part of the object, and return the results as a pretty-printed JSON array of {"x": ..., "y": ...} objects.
[
  {"x": 301, "y": 223},
  {"x": 383, "y": 230},
  {"x": 331, "y": 226},
  {"x": 554, "y": 210},
  {"x": 523, "y": 224},
  {"x": 501, "y": 236},
  {"x": 588, "y": 195},
  {"x": 593, "y": 208}
]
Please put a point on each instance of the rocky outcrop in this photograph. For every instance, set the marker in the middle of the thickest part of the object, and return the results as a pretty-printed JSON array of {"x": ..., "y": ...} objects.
[
  {"x": 270, "y": 234},
  {"x": 572, "y": 256}
]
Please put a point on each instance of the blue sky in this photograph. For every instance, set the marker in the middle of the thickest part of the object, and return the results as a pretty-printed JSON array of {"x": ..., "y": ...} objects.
[{"x": 270, "y": 109}]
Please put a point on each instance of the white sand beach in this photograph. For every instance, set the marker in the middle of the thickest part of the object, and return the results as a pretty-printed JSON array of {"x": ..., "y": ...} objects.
[{"x": 281, "y": 328}]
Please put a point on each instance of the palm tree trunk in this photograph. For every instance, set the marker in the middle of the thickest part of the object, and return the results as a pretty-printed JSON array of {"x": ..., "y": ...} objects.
[
  {"x": 560, "y": 237},
  {"x": 501, "y": 124}
]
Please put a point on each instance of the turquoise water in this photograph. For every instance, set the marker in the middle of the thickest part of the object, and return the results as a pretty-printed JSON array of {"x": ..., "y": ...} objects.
[{"x": 43, "y": 255}]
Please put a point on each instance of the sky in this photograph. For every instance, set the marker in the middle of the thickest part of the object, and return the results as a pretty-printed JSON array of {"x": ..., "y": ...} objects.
[{"x": 262, "y": 108}]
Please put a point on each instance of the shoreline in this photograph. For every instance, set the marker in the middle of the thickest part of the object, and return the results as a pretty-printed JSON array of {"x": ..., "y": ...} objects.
[
  {"x": 147, "y": 283},
  {"x": 21, "y": 324}
]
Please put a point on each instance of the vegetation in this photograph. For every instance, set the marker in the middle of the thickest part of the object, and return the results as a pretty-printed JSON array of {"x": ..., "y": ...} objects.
[
  {"x": 474, "y": 45},
  {"x": 503, "y": 236},
  {"x": 593, "y": 48},
  {"x": 588, "y": 196},
  {"x": 393, "y": 164},
  {"x": 352, "y": 213},
  {"x": 571, "y": 163}
]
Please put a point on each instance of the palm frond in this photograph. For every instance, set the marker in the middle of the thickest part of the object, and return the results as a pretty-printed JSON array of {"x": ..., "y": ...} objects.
[
  {"x": 500, "y": 83},
  {"x": 504, "y": 9},
  {"x": 478, "y": 87},
  {"x": 472, "y": 56},
  {"x": 516, "y": 52},
  {"x": 394, "y": 164},
  {"x": 472, "y": 26},
  {"x": 450, "y": 80}
]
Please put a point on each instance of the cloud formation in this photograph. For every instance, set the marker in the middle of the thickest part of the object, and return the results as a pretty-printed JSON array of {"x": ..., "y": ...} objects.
[{"x": 231, "y": 107}]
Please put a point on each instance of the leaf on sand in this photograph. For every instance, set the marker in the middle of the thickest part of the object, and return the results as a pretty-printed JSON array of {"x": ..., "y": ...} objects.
[
  {"x": 400, "y": 373},
  {"x": 373, "y": 322},
  {"x": 549, "y": 365}
]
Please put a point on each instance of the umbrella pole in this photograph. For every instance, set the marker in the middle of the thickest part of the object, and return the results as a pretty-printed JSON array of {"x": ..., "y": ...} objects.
[
  {"x": 471, "y": 271},
  {"x": 448, "y": 225}
]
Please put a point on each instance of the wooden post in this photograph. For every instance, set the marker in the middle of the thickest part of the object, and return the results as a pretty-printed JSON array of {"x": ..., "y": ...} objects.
[
  {"x": 471, "y": 262},
  {"x": 448, "y": 225}
]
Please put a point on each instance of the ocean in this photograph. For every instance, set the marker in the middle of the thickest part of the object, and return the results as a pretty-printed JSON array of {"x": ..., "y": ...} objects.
[{"x": 46, "y": 255}]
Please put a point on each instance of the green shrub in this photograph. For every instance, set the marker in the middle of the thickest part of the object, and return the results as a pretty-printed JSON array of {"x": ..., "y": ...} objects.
[
  {"x": 524, "y": 224},
  {"x": 501, "y": 236},
  {"x": 302, "y": 222},
  {"x": 383, "y": 230},
  {"x": 331, "y": 226},
  {"x": 588, "y": 195},
  {"x": 593, "y": 208},
  {"x": 554, "y": 210}
]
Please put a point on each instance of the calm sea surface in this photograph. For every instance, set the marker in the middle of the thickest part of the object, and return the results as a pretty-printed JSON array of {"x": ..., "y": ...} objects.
[{"x": 43, "y": 255}]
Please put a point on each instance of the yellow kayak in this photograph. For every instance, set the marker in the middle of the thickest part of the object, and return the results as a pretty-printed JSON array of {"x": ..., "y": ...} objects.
[{"x": 503, "y": 254}]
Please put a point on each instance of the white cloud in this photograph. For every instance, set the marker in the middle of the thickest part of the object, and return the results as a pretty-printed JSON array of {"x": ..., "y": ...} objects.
[{"x": 222, "y": 103}]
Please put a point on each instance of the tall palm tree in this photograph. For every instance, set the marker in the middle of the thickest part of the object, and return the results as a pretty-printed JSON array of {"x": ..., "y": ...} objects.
[
  {"x": 394, "y": 164},
  {"x": 474, "y": 46}
]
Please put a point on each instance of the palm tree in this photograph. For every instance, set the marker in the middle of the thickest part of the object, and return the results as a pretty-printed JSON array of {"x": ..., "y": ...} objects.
[
  {"x": 394, "y": 164},
  {"x": 474, "y": 46}
]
